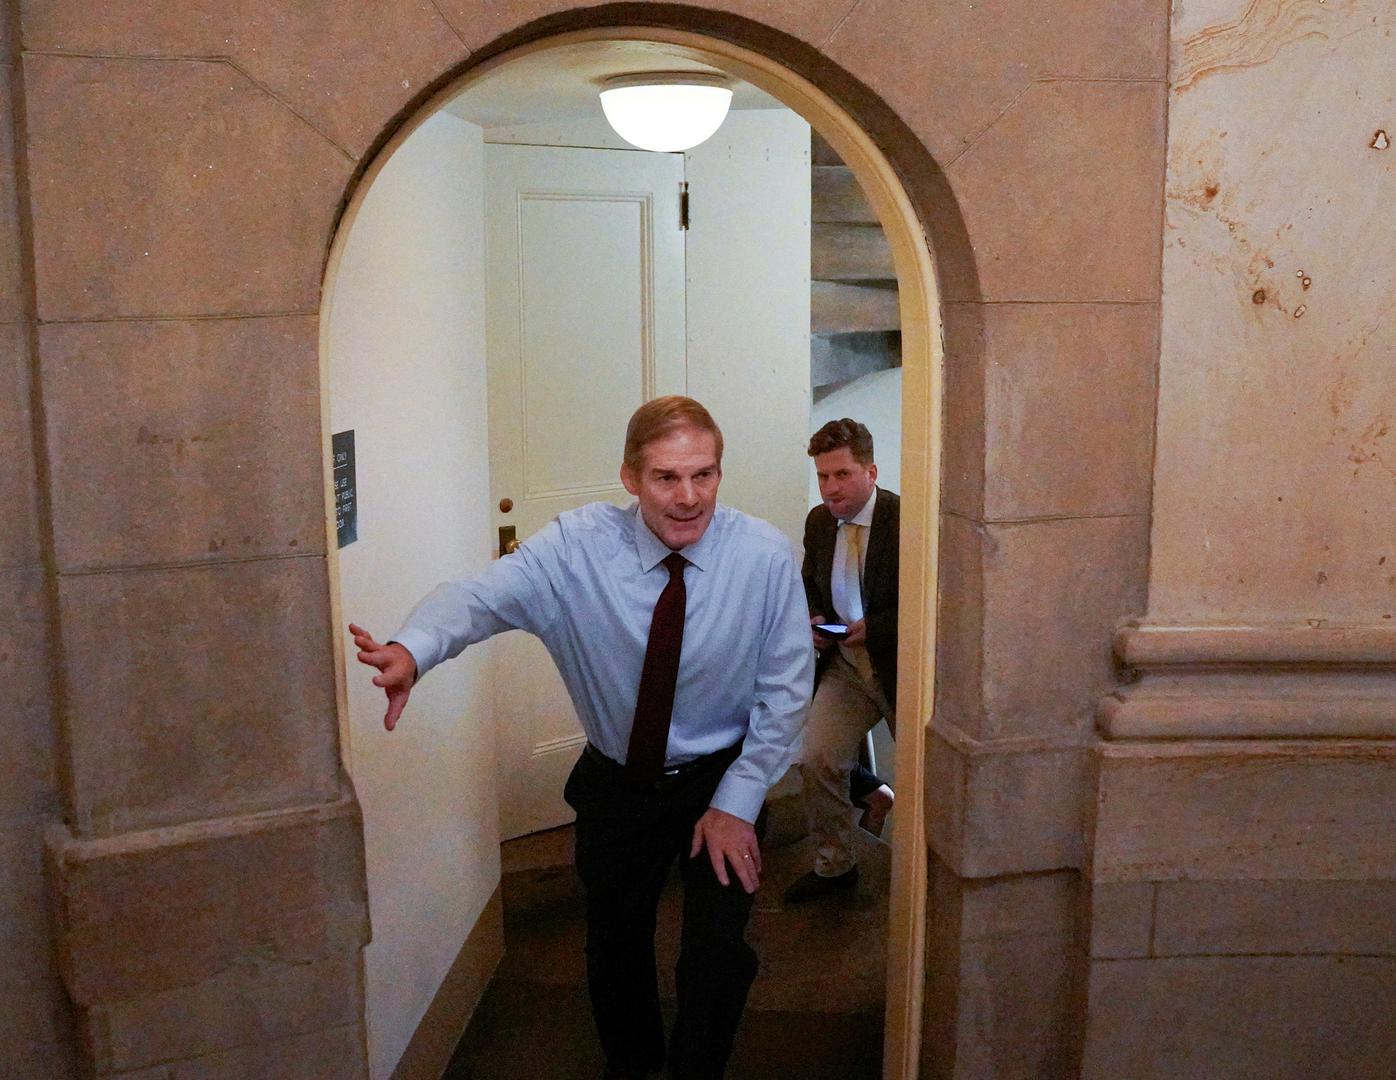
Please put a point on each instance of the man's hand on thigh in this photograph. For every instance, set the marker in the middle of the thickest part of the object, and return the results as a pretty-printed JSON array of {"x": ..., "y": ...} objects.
[{"x": 729, "y": 839}]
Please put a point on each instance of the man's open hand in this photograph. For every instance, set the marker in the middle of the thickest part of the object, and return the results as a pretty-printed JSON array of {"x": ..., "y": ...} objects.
[
  {"x": 397, "y": 671},
  {"x": 729, "y": 839}
]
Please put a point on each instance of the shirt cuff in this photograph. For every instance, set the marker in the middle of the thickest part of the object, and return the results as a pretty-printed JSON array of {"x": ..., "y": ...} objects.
[
  {"x": 422, "y": 647},
  {"x": 739, "y": 796}
]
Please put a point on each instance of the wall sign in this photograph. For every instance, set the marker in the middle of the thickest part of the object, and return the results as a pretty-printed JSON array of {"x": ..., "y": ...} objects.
[{"x": 346, "y": 503}]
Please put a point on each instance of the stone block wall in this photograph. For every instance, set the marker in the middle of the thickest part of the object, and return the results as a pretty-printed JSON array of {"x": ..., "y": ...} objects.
[
  {"x": 1243, "y": 868},
  {"x": 181, "y": 169},
  {"x": 206, "y": 877},
  {"x": 187, "y": 166},
  {"x": 35, "y": 1023}
]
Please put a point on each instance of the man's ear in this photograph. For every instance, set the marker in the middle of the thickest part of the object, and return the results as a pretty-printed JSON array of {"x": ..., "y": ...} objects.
[
  {"x": 872, "y": 471},
  {"x": 630, "y": 480}
]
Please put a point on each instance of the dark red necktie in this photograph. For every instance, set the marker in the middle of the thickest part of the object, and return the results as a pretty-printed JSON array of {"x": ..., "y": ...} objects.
[{"x": 654, "y": 705}]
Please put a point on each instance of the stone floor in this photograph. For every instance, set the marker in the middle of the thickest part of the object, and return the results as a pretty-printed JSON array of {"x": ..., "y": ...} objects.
[{"x": 815, "y": 1012}]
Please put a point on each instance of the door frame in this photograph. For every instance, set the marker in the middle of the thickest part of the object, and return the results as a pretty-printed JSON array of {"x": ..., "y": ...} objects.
[{"x": 922, "y": 400}]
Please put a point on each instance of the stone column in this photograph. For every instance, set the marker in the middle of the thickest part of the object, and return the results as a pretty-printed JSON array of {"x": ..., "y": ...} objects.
[
  {"x": 1049, "y": 123},
  {"x": 208, "y": 877},
  {"x": 35, "y": 1028},
  {"x": 1243, "y": 876}
]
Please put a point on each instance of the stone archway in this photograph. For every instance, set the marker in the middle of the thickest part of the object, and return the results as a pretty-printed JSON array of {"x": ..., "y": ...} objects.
[
  {"x": 209, "y": 870},
  {"x": 922, "y": 390}
]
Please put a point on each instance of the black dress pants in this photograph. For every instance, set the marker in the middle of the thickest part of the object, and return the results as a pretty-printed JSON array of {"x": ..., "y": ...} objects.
[{"x": 628, "y": 836}]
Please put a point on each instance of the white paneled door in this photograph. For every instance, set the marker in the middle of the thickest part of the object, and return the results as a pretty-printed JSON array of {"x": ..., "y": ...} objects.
[{"x": 585, "y": 322}]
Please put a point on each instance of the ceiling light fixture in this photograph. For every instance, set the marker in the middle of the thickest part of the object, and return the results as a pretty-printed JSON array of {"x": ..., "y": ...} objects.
[{"x": 666, "y": 111}]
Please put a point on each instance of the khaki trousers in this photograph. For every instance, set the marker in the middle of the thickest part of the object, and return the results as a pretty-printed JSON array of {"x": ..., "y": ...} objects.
[{"x": 845, "y": 708}]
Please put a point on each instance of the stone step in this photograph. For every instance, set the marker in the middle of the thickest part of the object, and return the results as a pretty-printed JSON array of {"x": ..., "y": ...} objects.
[
  {"x": 837, "y": 359},
  {"x": 850, "y": 253},
  {"x": 837, "y": 197},
  {"x": 820, "y": 152},
  {"x": 836, "y": 308}
]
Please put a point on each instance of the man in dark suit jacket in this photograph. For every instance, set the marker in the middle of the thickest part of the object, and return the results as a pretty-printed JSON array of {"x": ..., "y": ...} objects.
[{"x": 850, "y": 574}]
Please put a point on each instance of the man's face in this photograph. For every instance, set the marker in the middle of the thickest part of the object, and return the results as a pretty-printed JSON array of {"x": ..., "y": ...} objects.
[
  {"x": 677, "y": 485},
  {"x": 844, "y": 483}
]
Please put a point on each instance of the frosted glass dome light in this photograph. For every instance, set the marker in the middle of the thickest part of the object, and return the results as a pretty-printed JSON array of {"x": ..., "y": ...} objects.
[{"x": 665, "y": 112}]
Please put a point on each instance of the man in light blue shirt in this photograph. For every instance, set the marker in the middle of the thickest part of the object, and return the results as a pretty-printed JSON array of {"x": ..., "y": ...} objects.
[{"x": 592, "y": 586}]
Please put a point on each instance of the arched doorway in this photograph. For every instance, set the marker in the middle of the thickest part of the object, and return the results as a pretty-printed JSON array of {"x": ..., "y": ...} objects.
[{"x": 921, "y": 440}]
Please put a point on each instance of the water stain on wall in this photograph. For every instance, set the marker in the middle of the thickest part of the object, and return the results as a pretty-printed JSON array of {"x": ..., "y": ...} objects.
[
  {"x": 1369, "y": 448},
  {"x": 1258, "y": 35}
]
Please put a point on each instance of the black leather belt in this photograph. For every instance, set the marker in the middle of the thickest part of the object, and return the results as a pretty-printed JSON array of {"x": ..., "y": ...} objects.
[{"x": 722, "y": 757}]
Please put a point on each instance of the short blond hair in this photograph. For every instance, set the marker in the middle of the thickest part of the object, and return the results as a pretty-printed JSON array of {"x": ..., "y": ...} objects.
[{"x": 656, "y": 419}]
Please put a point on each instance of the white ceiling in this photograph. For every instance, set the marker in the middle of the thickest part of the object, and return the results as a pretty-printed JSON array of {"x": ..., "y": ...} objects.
[{"x": 562, "y": 83}]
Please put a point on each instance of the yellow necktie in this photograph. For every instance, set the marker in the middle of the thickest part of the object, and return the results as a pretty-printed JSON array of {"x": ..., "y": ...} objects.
[
  {"x": 857, "y": 655},
  {"x": 855, "y": 561}
]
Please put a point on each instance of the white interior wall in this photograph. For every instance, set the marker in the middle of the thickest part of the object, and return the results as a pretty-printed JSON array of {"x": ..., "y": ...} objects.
[
  {"x": 596, "y": 133},
  {"x": 405, "y": 344},
  {"x": 748, "y": 255}
]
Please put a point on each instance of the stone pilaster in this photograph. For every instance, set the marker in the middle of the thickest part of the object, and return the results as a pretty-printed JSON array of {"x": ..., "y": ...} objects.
[
  {"x": 1242, "y": 874},
  {"x": 208, "y": 878}
]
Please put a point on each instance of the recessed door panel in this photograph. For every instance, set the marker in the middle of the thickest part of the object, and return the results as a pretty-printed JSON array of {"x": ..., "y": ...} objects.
[{"x": 585, "y": 319}]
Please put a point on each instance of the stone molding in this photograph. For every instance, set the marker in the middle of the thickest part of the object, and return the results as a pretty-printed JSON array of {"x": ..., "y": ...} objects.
[
  {"x": 148, "y": 912},
  {"x": 1145, "y": 645},
  {"x": 1253, "y": 682}
]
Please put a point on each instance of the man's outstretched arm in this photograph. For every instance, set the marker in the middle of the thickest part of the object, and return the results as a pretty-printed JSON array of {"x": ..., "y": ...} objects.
[
  {"x": 397, "y": 671},
  {"x": 511, "y": 593}
]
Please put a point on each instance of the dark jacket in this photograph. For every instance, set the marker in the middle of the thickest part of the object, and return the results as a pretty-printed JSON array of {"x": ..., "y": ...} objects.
[{"x": 880, "y": 575}]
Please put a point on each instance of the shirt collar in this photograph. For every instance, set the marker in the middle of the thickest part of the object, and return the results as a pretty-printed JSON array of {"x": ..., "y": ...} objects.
[
  {"x": 864, "y": 516},
  {"x": 653, "y": 551}
]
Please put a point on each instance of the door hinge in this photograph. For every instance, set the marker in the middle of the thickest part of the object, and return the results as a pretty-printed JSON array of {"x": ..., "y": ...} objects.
[{"x": 683, "y": 205}]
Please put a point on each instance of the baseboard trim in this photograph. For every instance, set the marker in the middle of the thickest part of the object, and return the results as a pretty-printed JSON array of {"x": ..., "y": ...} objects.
[{"x": 429, "y": 1052}]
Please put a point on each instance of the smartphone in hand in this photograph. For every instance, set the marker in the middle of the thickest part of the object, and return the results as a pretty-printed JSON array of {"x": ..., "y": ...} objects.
[{"x": 834, "y": 630}]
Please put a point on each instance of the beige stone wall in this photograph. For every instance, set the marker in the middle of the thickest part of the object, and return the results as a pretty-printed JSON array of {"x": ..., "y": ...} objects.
[
  {"x": 1049, "y": 120},
  {"x": 35, "y": 1036},
  {"x": 1242, "y": 869},
  {"x": 208, "y": 882},
  {"x": 1276, "y": 482}
]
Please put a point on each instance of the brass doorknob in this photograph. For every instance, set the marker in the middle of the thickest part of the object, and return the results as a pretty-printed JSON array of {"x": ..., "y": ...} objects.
[{"x": 508, "y": 540}]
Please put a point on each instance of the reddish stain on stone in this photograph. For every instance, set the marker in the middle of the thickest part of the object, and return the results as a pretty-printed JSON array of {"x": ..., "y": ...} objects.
[{"x": 1368, "y": 448}]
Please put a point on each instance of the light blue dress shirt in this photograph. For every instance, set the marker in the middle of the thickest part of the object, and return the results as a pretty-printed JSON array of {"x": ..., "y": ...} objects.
[{"x": 587, "y": 585}]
